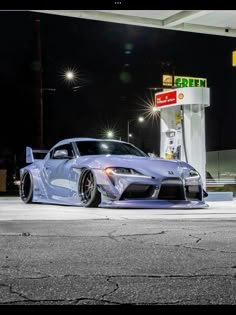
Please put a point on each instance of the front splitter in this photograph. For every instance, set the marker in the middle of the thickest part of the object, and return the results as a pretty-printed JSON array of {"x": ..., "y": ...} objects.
[{"x": 154, "y": 204}]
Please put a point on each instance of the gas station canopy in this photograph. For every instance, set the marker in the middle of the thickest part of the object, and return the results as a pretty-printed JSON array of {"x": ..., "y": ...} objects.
[{"x": 215, "y": 22}]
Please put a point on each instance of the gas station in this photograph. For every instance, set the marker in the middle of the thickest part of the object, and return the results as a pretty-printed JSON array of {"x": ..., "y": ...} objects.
[{"x": 182, "y": 110}]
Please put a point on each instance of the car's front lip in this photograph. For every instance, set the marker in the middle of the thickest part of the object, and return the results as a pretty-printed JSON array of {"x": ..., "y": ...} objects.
[{"x": 155, "y": 204}]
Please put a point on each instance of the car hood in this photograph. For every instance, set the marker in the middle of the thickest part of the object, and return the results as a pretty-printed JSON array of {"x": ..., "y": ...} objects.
[{"x": 146, "y": 165}]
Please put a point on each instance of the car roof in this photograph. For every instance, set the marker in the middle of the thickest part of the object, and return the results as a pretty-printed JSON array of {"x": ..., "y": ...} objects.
[{"x": 65, "y": 141}]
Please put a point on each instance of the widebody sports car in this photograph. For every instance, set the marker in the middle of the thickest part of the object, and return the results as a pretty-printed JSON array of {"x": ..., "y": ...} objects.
[{"x": 109, "y": 173}]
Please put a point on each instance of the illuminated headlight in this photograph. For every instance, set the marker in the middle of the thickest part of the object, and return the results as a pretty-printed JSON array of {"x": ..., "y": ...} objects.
[
  {"x": 191, "y": 177},
  {"x": 122, "y": 171}
]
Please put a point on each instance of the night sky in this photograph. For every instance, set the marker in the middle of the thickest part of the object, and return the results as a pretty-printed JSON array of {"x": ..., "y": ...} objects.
[{"x": 117, "y": 64}]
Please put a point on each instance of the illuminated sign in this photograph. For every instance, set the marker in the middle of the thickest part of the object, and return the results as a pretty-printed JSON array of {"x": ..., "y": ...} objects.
[
  {"x": 189, "y": 82},
  {"x": 167, "y": 80},
  {"x": 182, "y": 96},
  {"x": 182, "y": 81},
  {"x": 168, "y": 98}
]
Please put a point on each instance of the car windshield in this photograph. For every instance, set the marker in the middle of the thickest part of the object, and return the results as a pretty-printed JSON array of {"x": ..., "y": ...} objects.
[{"x": 107, "y": 147}]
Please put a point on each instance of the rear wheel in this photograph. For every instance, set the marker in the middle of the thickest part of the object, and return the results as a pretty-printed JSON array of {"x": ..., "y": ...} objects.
[
  {"x": 26, "y": 188},
  {"x": 90, "y": 196}
]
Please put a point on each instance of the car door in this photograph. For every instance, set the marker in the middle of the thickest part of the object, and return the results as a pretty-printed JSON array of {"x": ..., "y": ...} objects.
[{"x": 56, "y": 172}]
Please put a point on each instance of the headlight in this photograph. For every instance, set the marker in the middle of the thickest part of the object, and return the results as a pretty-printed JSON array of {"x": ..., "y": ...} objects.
[
  {"x": 122, "y": 171},
  {"x": 191, "y": 177}
]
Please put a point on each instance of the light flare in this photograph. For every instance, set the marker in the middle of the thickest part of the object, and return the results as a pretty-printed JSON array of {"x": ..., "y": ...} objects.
[{"x": 149, "y": 110}]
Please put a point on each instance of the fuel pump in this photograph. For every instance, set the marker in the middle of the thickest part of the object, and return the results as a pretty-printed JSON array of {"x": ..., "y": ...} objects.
[
  {"x": 171, "y": 144},
  {"x": 182, "y": 125}
]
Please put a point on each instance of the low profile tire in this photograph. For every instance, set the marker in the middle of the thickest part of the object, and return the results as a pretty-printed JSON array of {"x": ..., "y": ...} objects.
[
  {"x": 90, "y": 196},
  {"x": 26, "y": 188}
]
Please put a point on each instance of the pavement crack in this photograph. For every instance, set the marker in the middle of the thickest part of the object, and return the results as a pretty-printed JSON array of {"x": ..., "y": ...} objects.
[
  {"x": 72, "y": 301},
  {"x": 110, "y": 277},
  {"x": 81, "y": 236},
  {"x": 101, "y": 301},
  {"x": 141, "y": 234},
  {"x": 114, "y": 290},
  {"x": 206, "y": 249},
  {"x": 198, "y": 238},
  {"x": 15, "y": 292},
  {"x": 173, "y": 276},
  {"x": 196, "y": 248},
  {"x": 19, "y": 294},
  {"x": 112, "y": 236}
]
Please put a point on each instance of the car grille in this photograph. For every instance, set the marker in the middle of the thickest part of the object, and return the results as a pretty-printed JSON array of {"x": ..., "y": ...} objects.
[
  {"x": 135, "y": 191},
  {"x": 171, "y": 189}
]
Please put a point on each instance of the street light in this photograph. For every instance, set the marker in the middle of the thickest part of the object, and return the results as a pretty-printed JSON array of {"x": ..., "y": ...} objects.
[
  {"x": 109, "y": 131},
  {"x": 140, "y": 119},
  {"x": 74, "y": 78},
  {"x": 69, "y": 75},
  {"x": 150, "y": 110},
  {"x": 110, "y": 134}
]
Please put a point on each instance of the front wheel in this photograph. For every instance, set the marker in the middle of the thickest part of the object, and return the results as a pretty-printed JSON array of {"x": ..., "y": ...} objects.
[
  {"x": 90, "y": 196},
  {"x": 26, "y": 188}
]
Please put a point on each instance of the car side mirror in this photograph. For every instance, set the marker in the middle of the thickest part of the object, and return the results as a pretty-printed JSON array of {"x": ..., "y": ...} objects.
[
  {"x": 61, "y": 154},
  {"x": 152, "y": 155}
]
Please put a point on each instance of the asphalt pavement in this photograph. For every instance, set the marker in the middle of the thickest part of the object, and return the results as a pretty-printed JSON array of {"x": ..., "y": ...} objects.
[{"x": 62, "y": 255}]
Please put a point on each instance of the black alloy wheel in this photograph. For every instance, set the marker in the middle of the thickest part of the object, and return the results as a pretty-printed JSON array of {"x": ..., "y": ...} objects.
[
  {"x": 90, "y": 196},
  {"x": 26, "y": 188}
]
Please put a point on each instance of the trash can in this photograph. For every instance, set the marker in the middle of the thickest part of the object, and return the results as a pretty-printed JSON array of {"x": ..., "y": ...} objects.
[{"x": 3, "y": 180}]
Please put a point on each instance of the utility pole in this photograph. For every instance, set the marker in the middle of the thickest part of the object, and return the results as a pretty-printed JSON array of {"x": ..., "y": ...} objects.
[{"x": 39, "y": 84}]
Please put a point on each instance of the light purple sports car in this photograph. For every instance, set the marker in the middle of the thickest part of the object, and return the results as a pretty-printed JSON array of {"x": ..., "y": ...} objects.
[{"x": 108, "y": 173}]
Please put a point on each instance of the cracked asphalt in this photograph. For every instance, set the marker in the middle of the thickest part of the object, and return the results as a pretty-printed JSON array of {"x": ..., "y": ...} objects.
[{"x": 111, "y": 261}]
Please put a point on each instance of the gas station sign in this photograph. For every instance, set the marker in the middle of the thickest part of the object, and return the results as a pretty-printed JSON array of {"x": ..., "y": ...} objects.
[
  {"x": 167, "y": 98},
  {"x": 189, "y": 82},
  {"x": 182, "y": 96},
  {"x": 182, "y": 81},
  {"x": 167, "y": 80}
]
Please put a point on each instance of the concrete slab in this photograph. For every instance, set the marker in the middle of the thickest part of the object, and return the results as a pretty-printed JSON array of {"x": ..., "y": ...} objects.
[{"x": 12, "y": 208}]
